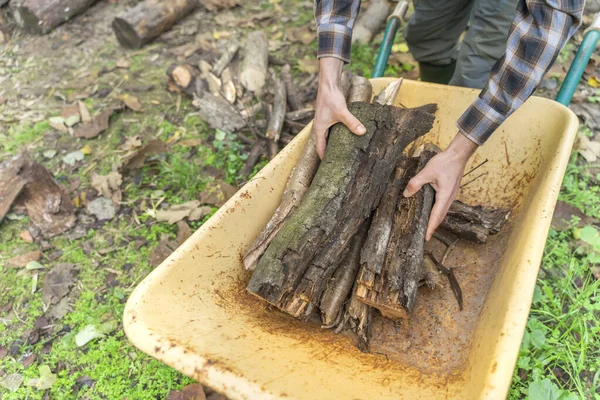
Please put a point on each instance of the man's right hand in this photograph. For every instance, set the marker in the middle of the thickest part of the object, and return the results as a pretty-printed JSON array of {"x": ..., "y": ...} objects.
[{"x": 331, "y": 105}]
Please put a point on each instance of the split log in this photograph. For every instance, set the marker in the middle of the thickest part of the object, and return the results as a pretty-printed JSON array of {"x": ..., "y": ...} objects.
[
  {"x": 294, "y": 269},
  {"x": 277, "y": 117},
  {"x": 303, "y": 113},
  {"x": 371, "y": 22},
  {"x": 359, "y": 316},
  {"x": 296, "y": 187},
  {"x": 147, "y": 20},
  {"x": 218, "y": 112},
  {"x": 186, "y": 78},
  {"x": 474, "y": 223},
  {"x": 293, "y": 98},
  {"x": 42, "y": 16},
  {"x": 392, "y": 257},
  {"x": 340, "y": 285},
  {"x": 230, "y": 51},
  {"x": 255, "y": 62},
  {"x": 258, "y": 149},
  {"x": 360, "y": 88}
]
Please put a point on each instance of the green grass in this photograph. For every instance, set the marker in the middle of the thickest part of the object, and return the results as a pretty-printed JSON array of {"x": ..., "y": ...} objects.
[{"x": 560, "y": 350}]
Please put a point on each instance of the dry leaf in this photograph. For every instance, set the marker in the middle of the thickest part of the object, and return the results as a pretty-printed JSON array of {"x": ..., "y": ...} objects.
[
  {"x": 301, "y": 34},
  {"x": 190, "y": 142},
  {"x": 123, "y": 63},
  {"x": 310, "y": 66},
  {"x": 589, "y": 112},
  {"x": 58, "y": 283},
  {"x": 138, "y": 159},
  {"x": 177, "y": 212},
  {"x": 58, "y": 123},
  {"x": 131, "y": 102},
  {"x": 26, "y": 236},
  {"x": 194, "y": 391},
  {"x": 589, "y": 149},
  {"x": 84, "y": 112},
  {"x": 23, "y": 259},
  {"x": 216, "y": 193},
  {"x": 213, "y": 5},
  {"x": 561, "y": 220},
  {"x": 87, "y": 150},
  {"x": 11, "y": 183},
  {"x": 161, "y": 252},
  {"x": 183, "y": 232},
  {"x": 108, "y": 186},
  {"x": 132, "y": 143},
  {"x": 70, "y": 111},
  {"x": 95, "y": 127},
  {"x": 594, "y": 81}
]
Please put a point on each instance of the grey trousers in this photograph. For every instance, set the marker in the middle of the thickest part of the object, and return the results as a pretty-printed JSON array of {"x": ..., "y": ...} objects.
[{"x": 433, "y": 33}]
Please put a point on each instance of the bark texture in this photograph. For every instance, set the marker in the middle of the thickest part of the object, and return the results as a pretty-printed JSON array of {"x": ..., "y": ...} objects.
[
  {"x": 474, "y": 223},
  {"x": 42, "y": 16},
  {"x": 348, "y": 186},
  {"x": 255, "y": 62},
  {"x": 147, "y": 20}
]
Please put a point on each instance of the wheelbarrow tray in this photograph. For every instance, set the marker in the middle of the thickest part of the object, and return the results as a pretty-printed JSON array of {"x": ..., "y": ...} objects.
[{"x": 193, "y": 313}]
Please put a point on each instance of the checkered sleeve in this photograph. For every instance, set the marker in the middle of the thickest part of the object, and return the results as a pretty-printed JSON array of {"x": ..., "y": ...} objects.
[
  {"x": 335, "y": 20},
  {"x": 538, "y": 33}
]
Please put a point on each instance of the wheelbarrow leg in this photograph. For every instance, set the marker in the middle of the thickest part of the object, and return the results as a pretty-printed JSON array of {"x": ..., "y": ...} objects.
[{"x": 592, "y": 35}]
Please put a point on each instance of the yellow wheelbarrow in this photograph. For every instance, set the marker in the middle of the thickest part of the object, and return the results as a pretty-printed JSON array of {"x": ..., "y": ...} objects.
[{"x": 193, "y": 313}]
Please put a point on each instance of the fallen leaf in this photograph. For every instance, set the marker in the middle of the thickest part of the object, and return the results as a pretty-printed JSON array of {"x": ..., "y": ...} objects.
[
  {"x": 84, "y": 112},
  {"x": 216, "y": 193},
  {"x": 400, "y": 48},
  {"x": 96, "y": 126},
  {"x": 23, "y": 259},
  {"x": 29, "y": 360},
  {"x": 26, "y": 236},
  {"x": 59, "y": 310},
  {"x": 12, "y": 382},
  {"x": 131, "y": 102},
  {"x": 58, "y": 123},
  {"x": 190, "y": 142},
  {"x": 177, "y": 212},
  {"x": 183, "y": 232},
  {"x": 132, "y": 143},
  {"x": 70, "y": 111},
  {"x": 589, "y": 149},
  {"x": 45, "y": 381},
  {"x": 301, "y": 34},
  {"x": 594, "y": 82},
  {"x": 72, "y": 120},
  {"x": 102, "y": 208},
  {"x": 309, "y": 66},
  {"x": 108, "y": 186},
  {"x": 123, "y": 63},
  {"x": 155, "y": 102},
  {"x": 138, "y": 159},
  {"x": 72, "y": 157},
  {"x": 49, "y": 154},
  {"x": 596, "y": 271},
  {"x": 563, "y": 213},
  {"x": 91, "y": 332},
  {"x": 161, "y": 252},
  {"x": 589, "y": 113},
  {"x": 86, "y": 150},
  {"x": 193, "y": 391},
  {"x": 48, "y": 205},
  {"x": 3, "y": 352},
  {"x": 33, "y": 265},
  {"x": 58, "y": 282}
]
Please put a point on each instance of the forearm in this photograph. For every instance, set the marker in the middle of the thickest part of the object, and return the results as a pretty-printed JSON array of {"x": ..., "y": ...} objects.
[{"x": 538, "y": 33}]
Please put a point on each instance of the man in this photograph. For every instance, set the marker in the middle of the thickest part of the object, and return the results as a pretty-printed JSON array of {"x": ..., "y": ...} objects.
[{"x": 507, "y": 60}]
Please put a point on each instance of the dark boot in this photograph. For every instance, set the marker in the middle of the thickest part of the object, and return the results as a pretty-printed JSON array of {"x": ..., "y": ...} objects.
[{"x": 436, "y": 73}]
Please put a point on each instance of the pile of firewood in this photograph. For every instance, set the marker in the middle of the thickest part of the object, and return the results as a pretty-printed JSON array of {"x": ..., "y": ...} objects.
[
  {"x": 344, "y": 241},
  {"x": 239, "y": 91}
]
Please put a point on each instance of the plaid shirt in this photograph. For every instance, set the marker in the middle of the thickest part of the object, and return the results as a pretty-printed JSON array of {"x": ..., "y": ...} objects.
[{"x": 538, "y": 33}]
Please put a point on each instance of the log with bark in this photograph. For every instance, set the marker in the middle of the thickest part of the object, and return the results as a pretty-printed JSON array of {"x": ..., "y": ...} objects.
[
  {"x": 392, "y": 257},
  {"x": 293, "y": 99},
  {"x": 187, "y": 79},
  {"x": 371, "y": 22},
  {"x": 147, "y": 20},
  {"x": 230, "y": 51},
  {"x": 300, "y": 179},
  {"x": 253, "y": 72},
  {"x": 294, "y": 269},
  {"x": 474, "y": 223},
  {"x": 277, "y": 116},
  {"x": 42, "y": 16}
]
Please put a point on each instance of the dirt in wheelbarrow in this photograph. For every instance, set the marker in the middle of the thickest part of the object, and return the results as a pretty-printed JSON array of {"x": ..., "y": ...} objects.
[{"x": 436, "y": 340}]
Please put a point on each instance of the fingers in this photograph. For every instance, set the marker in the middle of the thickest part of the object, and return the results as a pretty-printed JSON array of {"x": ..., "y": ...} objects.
[
  {"x": 415, "y": 184},
  {"x": 352, "y": 123},
  {"x": 438, "y": 213}
]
